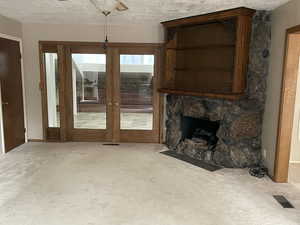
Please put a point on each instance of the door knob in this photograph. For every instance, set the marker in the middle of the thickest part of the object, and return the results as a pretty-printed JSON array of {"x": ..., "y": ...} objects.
[
  {"x": 116, "y": 103},
  {"x": 109, "y": 104}
]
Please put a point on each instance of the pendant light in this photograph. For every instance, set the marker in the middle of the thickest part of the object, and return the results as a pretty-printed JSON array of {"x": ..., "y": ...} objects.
[{"x": 106, "y": 9}]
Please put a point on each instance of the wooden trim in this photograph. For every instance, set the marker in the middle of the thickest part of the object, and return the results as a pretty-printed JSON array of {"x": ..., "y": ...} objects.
[
  {"x": 139, "y": 136},
  {"x": 89, "y": 135},
  {"x": 49, "y": 48},
  {"x": 137, "y": 50},
  {"x": 161, "y": 97},
  {"x": 53, "y": 134},
  {"x": 68, "y": 94},
  {"x": 295, "y": 29},
  {"x": 161, "y": 118},
  {"x": 36, "y": 140},
  {"x": 100, "y": 44},
  {"x": 241, "y": 53},
  {"x": 43, "y": 90},
  {"x": 109, "y": 94},
  {"x": 156, "y": 96},
  {"x": 116, "y": 100},
  {"x": 209, "y": 95},
  {"x": 221, "y": 15},
  {"x": 287, "y": 105},
  {"x": 87, "y": 49},
  {"x": 62, "y": 99}
]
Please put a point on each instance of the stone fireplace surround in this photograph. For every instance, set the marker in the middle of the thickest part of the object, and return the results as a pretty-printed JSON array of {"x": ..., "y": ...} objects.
[{"x": 239, "y": 134}]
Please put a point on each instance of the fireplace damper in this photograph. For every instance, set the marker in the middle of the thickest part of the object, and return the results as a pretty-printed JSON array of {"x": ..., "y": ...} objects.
[{"x": 200, "y": 130}]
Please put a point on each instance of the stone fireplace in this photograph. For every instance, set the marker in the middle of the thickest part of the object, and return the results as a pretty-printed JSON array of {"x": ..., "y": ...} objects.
[{"x": 225, "y": 132}]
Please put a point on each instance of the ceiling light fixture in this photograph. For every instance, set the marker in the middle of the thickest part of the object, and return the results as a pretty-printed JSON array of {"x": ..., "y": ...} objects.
[{"x": 106, "y": 10}]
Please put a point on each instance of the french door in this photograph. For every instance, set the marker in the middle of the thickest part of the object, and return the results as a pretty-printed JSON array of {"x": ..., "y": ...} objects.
[
  {"x": 104, "y": 94},
  {"x": 89, "y": 95},
  {"x": 136, "y": 109}
]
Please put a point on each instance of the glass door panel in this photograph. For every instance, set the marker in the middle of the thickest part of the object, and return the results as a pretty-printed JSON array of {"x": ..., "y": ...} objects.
[
  {"x": 89, "y": 91},
  {"x": 136, "y": 92},
  {"x": 52, "y": 86}
]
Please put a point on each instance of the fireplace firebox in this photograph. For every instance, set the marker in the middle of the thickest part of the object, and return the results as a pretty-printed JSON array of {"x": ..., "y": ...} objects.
[{"x": 200, "y": 130}]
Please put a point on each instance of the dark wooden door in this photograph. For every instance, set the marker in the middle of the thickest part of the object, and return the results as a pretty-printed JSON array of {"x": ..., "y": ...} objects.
[{"x": 11, "y": 92}]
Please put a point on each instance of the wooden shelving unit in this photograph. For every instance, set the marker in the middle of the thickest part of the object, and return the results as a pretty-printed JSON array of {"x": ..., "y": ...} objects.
[
  {"x": 207, "y": 55},
  {"x": 200, "y": 94},
  {"x": 212, "y": 46},
  {"x": 203, "y": 69}
]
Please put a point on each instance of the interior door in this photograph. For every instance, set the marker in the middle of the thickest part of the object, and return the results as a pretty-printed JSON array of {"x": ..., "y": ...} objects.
[
  {"x": 136, "y": 100},
  {"x": 89, "y": 99},
  {"x": 12, "y": 94}
]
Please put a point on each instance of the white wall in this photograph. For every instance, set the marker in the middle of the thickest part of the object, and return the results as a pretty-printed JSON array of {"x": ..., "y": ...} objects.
[
  {"x": 283, "y": 17},
  {"x": 32, "y": 33},
  {"x": 295, "y": 147},
  {"x": 10, "y": 27}
]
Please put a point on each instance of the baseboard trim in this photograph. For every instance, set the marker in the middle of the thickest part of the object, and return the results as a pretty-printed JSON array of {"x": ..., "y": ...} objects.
[{"x": 36, "y": 140}]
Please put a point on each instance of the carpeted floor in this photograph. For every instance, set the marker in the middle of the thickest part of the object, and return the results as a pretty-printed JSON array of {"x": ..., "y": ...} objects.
[
  {"x": 131, "y": 184},
  {"x": 294, "y": 174}
]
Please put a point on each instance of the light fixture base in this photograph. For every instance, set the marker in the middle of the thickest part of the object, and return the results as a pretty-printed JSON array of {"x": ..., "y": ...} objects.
[{"x": 106, "y": 13}]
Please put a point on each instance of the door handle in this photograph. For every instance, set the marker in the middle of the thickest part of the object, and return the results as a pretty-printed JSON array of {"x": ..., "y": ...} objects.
[
  {"x": 109, "y": 104},
  {"x": 116, "y": 103},
  {"x": 4, "y": 103}
]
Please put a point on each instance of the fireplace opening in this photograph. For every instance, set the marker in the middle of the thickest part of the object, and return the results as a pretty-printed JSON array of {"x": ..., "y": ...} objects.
[{"x": 200, "y": 130}]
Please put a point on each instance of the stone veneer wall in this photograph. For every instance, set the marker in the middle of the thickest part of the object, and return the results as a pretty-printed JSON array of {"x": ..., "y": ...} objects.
[{"x": 239, "y": 135}]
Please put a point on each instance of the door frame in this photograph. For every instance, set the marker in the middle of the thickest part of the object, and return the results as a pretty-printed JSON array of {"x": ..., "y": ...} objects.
[
  {"x": 112, "y": 49},
  {"x": 287, "y": 104},
  {"x": 142, "y": 135},
  {"x": 2, "y": 139},
  {"x": 75, "y": 134},
  {"x": 50, "y": 133}
]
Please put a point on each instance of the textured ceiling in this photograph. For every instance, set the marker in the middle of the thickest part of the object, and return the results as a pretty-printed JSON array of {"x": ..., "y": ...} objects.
[{"x": 140, "y": 11}]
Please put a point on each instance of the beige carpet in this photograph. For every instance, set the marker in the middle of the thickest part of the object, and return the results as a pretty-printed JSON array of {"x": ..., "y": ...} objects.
[
  {"x": 294, "y": 174},
  {"x": 91, "y": 184}
]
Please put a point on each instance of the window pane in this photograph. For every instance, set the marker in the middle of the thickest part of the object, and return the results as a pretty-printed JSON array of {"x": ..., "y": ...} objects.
[
  {"x": 136, "y": 108},
  {"x": 52, "y": 83},
  {"x": 89, "y": 91}
]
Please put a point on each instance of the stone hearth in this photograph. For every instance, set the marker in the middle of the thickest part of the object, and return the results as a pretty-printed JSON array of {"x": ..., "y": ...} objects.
[{"x": 239, "y": 134}]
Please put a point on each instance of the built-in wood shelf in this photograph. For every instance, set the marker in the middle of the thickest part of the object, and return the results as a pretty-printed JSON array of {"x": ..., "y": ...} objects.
[
  {"x": 203, "y": 69},
  {"x": 228, "y": 96},
  {"x": 207, "y": 55},
  {"x": 204, "y": 47}
]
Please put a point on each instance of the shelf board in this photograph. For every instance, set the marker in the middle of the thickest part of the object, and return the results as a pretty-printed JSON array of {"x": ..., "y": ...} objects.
[
  {"x": 229, "y": 96},
  {"x": 211, "y": 46},
  {"x": 211, "y": 69}
]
